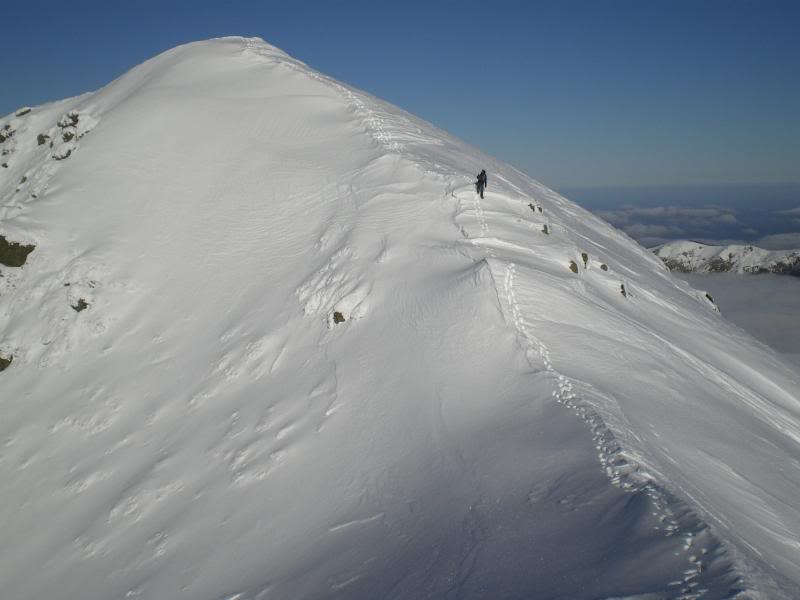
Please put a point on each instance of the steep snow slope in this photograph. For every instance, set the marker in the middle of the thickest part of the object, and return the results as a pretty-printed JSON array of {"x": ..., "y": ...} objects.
[
  {"x": 687, "y": 257},
  {"x": 311, "y": 363}
]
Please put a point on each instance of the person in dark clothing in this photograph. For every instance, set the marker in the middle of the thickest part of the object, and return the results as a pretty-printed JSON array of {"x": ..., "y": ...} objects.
[{"x": 480, "y": 185}]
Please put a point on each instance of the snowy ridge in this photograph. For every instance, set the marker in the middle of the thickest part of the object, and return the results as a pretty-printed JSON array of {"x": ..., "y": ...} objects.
[
  {"x": 622, "y": 469},
  {"x": 312, "y": 362},
  {"x": 688, "y": 257}
]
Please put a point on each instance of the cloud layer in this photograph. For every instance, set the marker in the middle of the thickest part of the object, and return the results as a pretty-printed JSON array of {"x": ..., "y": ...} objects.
[
  {"x": 763, "y": 215},
  {"x": 712, "y": 224},
  {"x": 655, "y": 224}
]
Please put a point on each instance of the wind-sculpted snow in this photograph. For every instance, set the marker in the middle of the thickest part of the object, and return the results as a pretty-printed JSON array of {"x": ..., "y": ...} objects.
[{"x": 271, "y": 344}]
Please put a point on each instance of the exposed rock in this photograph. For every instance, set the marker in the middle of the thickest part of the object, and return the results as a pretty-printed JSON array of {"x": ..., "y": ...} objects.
[
  {"x": 80, "y": 305},
  {"x": 13, "y": 254}
]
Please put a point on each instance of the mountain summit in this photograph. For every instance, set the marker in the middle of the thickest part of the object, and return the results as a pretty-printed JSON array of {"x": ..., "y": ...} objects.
[{"x": 262, "y": 339}]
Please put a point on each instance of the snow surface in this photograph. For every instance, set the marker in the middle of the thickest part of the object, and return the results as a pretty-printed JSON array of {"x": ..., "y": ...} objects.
[{"x": 484, "y": 423}]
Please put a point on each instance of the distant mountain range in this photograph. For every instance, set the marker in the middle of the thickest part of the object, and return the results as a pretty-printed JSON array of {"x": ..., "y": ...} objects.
[{"x": 693, "y": 257}]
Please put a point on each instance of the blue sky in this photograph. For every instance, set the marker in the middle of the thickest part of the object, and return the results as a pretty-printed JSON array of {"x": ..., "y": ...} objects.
[{"x": 578, "y": 94}]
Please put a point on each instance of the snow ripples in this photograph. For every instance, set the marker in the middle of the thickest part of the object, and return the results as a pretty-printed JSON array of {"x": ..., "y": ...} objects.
[{"x": 673, "y": 517}]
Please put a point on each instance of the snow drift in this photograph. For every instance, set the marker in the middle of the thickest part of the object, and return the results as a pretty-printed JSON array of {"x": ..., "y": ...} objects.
[{"x": 267, "y": 342}]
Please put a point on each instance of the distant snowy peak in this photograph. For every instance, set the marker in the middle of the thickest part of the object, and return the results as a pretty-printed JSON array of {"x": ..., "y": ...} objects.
[{"x": 692, "y": 257}]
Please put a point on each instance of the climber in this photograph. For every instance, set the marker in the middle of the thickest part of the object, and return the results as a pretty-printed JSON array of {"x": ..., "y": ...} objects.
[{"x": 480, "y": 185}]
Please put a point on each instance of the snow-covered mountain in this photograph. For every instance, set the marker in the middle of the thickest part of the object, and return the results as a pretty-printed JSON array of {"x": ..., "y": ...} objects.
[
  {"x": 263, "y": 340},
  {"x": 688, "y": 257}
]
